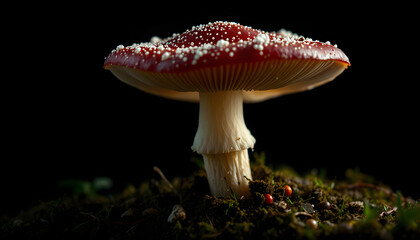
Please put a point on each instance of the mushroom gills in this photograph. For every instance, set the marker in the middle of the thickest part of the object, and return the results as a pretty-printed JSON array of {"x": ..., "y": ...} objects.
[{"x": 297, "y": 81}]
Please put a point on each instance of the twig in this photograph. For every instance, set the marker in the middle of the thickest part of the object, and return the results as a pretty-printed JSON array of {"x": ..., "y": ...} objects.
[
  {"x": 131, "y": 228},
  {"x": 386, "y": 213},
  {"x": 90, "y": 215},
  {"x": 156, "y": 169}
]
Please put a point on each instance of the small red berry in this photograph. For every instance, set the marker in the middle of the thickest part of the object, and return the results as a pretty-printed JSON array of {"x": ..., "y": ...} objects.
[
  {"x": 268, "y": 199},
  {"x": 287, "y": 190}
]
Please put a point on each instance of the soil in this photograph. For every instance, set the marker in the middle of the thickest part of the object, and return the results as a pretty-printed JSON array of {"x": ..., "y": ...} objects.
[{"x": 357, "y": 207}]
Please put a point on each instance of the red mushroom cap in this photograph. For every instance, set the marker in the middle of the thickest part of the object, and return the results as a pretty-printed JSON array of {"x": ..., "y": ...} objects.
[{"x": 224, "y": 56}]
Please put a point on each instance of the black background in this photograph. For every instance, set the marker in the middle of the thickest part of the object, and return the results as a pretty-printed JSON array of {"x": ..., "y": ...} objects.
[{"x": 65, "y": 117}]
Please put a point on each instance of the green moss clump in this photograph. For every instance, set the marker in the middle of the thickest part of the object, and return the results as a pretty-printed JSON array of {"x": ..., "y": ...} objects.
[{"x": 319, "y": 208}]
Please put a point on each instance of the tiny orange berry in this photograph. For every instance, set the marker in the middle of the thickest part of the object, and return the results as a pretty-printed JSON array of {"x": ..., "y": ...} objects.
[
  {"x": 287, "y": 190},
  {"x": 268, "y": 199}
]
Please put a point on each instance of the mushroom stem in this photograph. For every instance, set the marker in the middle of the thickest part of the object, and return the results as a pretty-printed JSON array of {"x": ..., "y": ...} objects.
[
  {"x": 228, "y": 173},
  {"x": 223, "y": 139}
]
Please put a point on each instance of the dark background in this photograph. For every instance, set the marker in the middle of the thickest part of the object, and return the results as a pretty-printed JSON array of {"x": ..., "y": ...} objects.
[{"x": 65, "y": 117}]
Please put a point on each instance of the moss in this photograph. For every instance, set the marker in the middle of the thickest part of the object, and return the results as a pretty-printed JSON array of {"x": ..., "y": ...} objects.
[{"x": 357, "y": 207}]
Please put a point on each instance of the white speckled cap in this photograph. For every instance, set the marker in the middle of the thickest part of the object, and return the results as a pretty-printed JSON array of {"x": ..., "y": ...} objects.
[{"x": 226, "y": 56}]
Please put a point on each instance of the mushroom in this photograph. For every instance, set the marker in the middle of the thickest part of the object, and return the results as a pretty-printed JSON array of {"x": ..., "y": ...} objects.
[{"x": 221, "y": 65}]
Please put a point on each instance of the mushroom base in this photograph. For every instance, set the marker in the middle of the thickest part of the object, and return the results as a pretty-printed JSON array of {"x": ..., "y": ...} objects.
[{"x": 228, "y": 173}]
